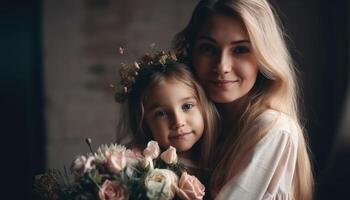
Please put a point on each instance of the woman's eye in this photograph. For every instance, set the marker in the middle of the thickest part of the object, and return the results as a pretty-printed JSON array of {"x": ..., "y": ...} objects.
[
  {"x": 241, "y": 50},
  {"x": 207, "y": 49},
  {"x": 187, "y": 106},
  {"x": 160, "y": 114}
]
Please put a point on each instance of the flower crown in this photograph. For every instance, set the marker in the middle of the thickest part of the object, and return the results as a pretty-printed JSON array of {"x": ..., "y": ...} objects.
[{"x": 129, "y": 73}]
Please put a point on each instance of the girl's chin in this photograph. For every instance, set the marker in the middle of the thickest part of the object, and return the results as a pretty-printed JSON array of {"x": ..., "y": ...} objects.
[{"x": 182, "y": 148}]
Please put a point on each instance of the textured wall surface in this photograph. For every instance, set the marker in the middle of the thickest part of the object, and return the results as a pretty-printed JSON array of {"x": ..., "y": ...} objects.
[{"x": 81, "y": 39}]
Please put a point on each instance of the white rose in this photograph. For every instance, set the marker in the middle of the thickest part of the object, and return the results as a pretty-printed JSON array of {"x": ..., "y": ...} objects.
[
  {"x": 82, "y": 164},
  {"x": 89, "y": 163},
  {"x": 161, "y": 184},
  {"x": 77, "y": 166},
  {"x": 152, "y": 150},
  {"x": 147, "y": 162},
  {"x": 130, "y": 171},
  {"x": 104, "y": 151},
  {"x": 169, "y": 156}
]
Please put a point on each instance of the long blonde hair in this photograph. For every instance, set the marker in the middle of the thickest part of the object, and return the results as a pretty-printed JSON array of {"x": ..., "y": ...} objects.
[
  {"x": 150, "y": 76},
  {"x": 275, "y": 87}
]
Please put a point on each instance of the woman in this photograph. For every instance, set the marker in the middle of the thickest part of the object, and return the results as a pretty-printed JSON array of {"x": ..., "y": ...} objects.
[{"x": 238, "y": 53}]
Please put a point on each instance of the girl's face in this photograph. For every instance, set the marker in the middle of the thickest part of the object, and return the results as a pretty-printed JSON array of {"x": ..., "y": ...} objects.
[
  {"x": 173, "y": 115},
  {"x": 223, "y": 59}
]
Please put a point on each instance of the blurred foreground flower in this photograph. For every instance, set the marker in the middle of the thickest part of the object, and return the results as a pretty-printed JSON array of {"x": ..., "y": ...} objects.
[{"x": 115, "y": 172}]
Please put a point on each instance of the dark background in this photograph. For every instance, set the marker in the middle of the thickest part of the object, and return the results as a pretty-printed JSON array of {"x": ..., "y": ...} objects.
[{"x": 319, "y": 30}]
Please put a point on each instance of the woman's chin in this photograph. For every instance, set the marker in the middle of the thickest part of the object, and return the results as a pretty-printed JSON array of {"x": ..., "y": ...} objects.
[{"x": 222, "y": 99}]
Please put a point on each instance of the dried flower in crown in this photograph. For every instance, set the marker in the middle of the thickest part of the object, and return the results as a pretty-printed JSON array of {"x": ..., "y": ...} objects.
[{"x": 129, "y": 73}]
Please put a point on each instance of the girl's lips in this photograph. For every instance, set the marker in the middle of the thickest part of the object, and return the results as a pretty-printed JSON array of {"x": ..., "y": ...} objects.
[{"x": 179, "y": 135}]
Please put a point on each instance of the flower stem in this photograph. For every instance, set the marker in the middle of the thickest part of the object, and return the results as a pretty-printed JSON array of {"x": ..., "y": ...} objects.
[{"x": 88, "y": 142}]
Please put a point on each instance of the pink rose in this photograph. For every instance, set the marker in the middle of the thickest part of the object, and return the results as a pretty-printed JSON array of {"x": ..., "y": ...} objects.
[
  {"x": 169, "y": 156},
  {"x": 112, "y": 191},
  {"x": 116, "y": 161},
  {"x": 152, "y": 150},
  {"x": 190, "y": 188},
  {"x": 133, "y": 153}
]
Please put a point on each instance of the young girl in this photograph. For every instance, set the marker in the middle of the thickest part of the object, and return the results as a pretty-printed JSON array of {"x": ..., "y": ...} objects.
[
  {"x": 166, "y": 104},
  {"x": 237, "y": 50}
]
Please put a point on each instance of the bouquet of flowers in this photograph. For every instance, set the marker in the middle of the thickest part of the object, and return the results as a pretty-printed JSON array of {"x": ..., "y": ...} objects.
[{"x": 115, "y": 172}]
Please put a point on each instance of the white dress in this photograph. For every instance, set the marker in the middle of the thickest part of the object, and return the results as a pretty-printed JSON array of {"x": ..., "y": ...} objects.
[{"x": 269, "y": 171}]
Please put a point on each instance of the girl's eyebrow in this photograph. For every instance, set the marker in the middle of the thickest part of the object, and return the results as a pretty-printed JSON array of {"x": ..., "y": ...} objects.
[
  {"x": 204, "y": 37},
  {"x": 153, "y": 107},
  {"x": 157, "y": 105},
  {"x": 188, "y": 98}
]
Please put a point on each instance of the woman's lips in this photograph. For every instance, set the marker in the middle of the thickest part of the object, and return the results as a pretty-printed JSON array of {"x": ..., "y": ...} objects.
[{"x": 222, "y": 83}]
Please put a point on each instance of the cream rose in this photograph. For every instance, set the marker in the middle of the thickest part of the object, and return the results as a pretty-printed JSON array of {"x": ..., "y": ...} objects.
[
  {"x": 190, "y": 188},
  {"x": 152, "y": 150},
  {"x": 147, "y": 162},
  {"x": 82, "y": 164},
  {"x": 112, "y": 191},
  {"x": 161, "y": 184},
  {"x": 169, "y": 156},
  {"x": 116, "y": 161}
]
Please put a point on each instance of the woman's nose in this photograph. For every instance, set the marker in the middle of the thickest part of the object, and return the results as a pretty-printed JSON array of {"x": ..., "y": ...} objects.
[{"x": 224, "y": 64}]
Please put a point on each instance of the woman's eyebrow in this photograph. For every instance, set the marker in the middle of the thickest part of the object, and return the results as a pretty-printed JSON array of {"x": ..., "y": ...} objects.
[{"x": 240, "y": 41}]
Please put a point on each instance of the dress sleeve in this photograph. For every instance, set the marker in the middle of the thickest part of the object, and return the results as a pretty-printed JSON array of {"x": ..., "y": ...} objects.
[{"x": 269, "y": 170}]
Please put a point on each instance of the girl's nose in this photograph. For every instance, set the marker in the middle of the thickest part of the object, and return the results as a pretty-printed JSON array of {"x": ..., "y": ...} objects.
[
  {"x": 177, "y": 121},
  {"x": 178, "y": 125}
]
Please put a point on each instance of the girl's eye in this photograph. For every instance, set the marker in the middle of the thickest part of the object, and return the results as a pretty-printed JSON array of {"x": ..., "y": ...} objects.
[
  {"x": 160, "y": 114},
  {"x": 207, "y": 49},
  {"x": 187, "y": 106},
  {"x": 241, "y": 50}
]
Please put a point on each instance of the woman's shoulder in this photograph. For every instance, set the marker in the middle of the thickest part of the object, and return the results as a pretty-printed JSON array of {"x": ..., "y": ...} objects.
[
  {"x": 276, "y": 119},
  {"x": 278, "y": 124}
]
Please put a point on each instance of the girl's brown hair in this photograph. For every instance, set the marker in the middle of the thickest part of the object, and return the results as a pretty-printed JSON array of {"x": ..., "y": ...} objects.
[{"x": 152, "y": 75}]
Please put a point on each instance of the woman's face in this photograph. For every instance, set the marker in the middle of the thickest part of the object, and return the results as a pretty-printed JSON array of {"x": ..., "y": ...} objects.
[{"x": 223, "y": 59}]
